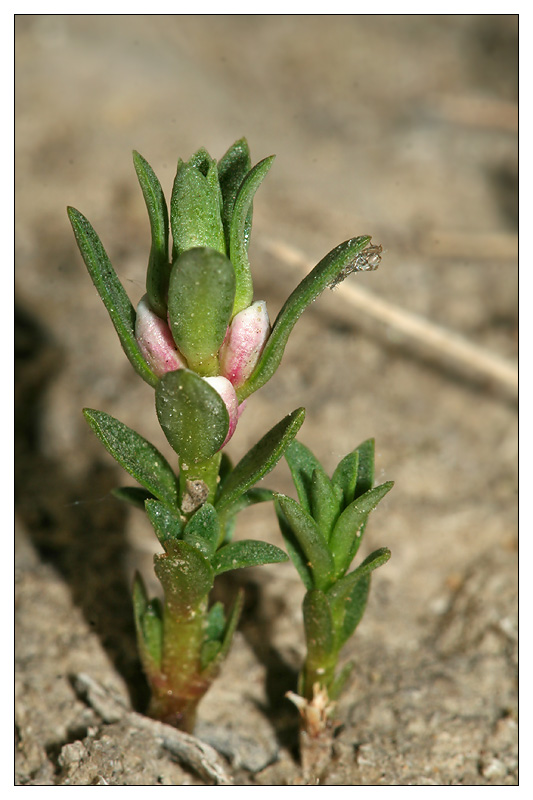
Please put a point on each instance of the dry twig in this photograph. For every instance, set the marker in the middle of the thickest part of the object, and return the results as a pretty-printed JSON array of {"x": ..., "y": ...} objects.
[{"x": 443, "y": 342}]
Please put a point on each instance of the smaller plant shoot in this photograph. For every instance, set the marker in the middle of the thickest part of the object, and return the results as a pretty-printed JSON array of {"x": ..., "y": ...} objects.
[
  {"x": 205, "y": 345},
  {"x": 323, "y": 532}
]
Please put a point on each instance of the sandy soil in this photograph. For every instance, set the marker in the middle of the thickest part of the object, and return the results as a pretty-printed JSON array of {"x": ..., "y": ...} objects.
[{"x": 401, "y": 127}]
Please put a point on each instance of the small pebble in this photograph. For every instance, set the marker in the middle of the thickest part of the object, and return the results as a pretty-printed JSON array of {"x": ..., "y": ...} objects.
[
  {"x": 71, "y": 754},
  {"x": 493, "y": 768}
]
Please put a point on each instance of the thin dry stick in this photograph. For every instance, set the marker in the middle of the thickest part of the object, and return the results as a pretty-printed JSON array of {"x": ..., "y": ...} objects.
[
  {"x": 477, "y": 112},
  {"x": 498, "y": 246},
  {"x": 443, "y": 342}
]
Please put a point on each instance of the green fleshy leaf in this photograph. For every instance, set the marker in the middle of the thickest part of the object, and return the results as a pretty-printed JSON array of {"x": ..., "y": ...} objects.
[
  {"x": 167, "y": 524},
  {"x": 152, "y": 626},
  {"x": 339, "y": 683},
  {"x": 357, "y": 540},
  {"x": 200, "y": 300},
  {"x": 302, "y": 464},
  {"x": 111, "y": 291},
  {"x": 308, "y": 290},
  {"x": 141, "y": 459},
  {"x": 347, "y": 597},
  {"x": 260, "y": 460},
  {"x": 311, "y": 541},
  {"x": 186, "y": 576},
  {"x": 345, "y": 476},
  {"x": 227, "y": 529},
  {"x": 208, "y": 167},
  {"x": 149, "y": 627},
  {"x": 201, "y": 160},
  {"x": 246, "y": 553},
  {"x": 209, "y": 653},
  {"x": 202, "y": 530},
  {"x": 296, "y": 554},
  {"x": 347, "y": 534},
  {"x": 231, "y": 626},
  {"x": 365, "y": 469},
  {"x": 318, "y": 625},
  {"x": 226, "y": 465},
  {"x": 354, "y": 609},
  {"x": 316, "y": 493},
  {"x": 213, "y": 655},
  {"x": 216, "y": 622},
  {"x": 232, "y": 169},
  {"x": 158, "y": 273},
  {"x": 364, "y": 477},
  {"x": 325, "y": 504},
  {"x": 140, "y": 598},
  {"x": 238, "y": 251},
  {"x": 192, "y": 414},
  {"x": 214, "y": 633},
  {"x": 195, "y": 208},
  {"x": 133, "y": 495}
]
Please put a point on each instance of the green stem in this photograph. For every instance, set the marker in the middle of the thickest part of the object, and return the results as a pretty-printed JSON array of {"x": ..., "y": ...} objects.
[
  {"x": 179, "y": 686},
  {"x": 180, "y": 682},
  {"x": 205, "y": 471},
  {"x": 317, "y": 671}
]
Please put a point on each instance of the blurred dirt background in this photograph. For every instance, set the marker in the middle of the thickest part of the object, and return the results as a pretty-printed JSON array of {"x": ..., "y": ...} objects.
[{"x": 403, "y": 127}]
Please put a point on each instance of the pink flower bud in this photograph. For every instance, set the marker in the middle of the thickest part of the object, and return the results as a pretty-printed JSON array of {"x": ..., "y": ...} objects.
[
  {"x": 227, "y": 393},
  {"x": 155, "y": 341},
  {"x": 244, "y": 343}
]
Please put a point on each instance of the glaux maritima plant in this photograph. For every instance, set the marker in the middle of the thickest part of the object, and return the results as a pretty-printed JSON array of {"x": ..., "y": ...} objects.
[
  {"x": 323, "y": 532},
  {"x": 203, "y": 344}
]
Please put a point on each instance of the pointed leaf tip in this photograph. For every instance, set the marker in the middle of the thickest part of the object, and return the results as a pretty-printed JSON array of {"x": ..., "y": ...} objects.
[
  {"x": 246, "y": 553},
  {"x": 261, "y": 459},
  {"x": 304, "y": 294},
  {"x": 111, "y": 291},
  {"x": 348, "y": 532},
  {"x": 158, "y": 264},
  {"x": 141, "y": 459},
  {"x": 238, "y": 233}
]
